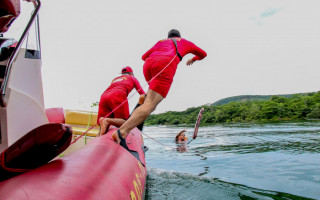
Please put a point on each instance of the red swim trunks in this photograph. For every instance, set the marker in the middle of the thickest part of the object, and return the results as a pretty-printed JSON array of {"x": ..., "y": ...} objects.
[
  {"x": 160, "y": 83},
  {"x": 110, "y": 101}
]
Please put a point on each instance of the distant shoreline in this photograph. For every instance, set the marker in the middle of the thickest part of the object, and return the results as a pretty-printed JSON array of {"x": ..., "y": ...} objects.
[
  {"x": 230, "y": 123},
  {"x": 304, "y": 106}
]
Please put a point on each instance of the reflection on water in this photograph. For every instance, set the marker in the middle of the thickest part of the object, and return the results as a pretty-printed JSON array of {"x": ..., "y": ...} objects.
[
  {"x": 282, "y": 157},
  {"x": 181, "y": 147}
]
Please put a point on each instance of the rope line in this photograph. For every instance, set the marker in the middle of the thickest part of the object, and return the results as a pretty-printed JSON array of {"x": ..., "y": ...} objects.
[
  {"x": 125, "y": 100},
  {"x": 157, "y": 141}
]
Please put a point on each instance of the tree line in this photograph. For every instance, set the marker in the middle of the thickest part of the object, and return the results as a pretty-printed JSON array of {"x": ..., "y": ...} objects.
[{"x": 296, "y": 107}]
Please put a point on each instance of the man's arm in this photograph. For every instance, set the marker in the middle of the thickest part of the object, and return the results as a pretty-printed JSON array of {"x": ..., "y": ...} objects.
[
  {"x": 198, "y": 52},
  {"x": 137, "y": 85}
]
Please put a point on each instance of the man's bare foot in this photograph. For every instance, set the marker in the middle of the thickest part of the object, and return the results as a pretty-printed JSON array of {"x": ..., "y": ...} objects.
[
  {"x": 104, "y": 126},
  {"x": 115, "y": 137}
]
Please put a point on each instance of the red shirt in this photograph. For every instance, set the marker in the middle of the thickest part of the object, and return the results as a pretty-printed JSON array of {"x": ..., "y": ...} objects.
[
  {"x": 125, "y": 84},
  {"x": 166, "y": 48}
]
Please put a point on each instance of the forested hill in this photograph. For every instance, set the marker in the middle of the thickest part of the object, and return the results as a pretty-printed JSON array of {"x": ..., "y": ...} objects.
[
  {"x": 243, "y": 98},
  {"x": 244, "y": 109}
]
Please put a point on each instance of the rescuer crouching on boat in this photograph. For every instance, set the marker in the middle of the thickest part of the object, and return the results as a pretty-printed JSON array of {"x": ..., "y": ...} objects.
[
  {"x": 113, "y": 105},
  {"x": 106, "y": 122}
]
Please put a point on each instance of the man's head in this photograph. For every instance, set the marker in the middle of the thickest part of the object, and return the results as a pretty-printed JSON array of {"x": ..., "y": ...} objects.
[
  {"x": 182, "y": 137},
  {"x": 127, "y": 70},
  {"x": 174, "y": 33}
]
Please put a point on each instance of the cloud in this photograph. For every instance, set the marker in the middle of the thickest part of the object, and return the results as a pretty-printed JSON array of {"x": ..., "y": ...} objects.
[{"x": 269, "y": 12}]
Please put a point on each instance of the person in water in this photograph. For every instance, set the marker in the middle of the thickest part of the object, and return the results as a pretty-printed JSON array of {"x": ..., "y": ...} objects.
[
  {"x": 110, "y": 111},
  {"x": 181, "y": 137},
  {"x": 160, "y": 66}
]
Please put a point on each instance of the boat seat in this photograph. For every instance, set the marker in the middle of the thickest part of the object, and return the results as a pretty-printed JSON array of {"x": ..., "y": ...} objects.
[
  {"x": 78, "y": 120},
  {"x": 81, "y": 120}
]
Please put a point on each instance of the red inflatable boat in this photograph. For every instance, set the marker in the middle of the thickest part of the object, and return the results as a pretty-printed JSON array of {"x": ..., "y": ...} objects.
[
  {"x": 94, "y": 168},
  {"x": 100, "y": 170}
]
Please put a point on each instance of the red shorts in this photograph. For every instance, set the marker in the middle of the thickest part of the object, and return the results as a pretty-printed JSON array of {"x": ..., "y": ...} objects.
[
  {"x": 160, "y": 83},
  {"x": 110, "y": 101}
]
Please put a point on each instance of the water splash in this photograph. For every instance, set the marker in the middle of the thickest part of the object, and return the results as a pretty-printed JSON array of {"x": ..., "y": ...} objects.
[{"x": 163, "y": 184}]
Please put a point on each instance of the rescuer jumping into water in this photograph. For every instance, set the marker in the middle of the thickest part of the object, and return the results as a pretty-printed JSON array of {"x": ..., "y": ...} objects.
[{"x": 160, "y": 66}]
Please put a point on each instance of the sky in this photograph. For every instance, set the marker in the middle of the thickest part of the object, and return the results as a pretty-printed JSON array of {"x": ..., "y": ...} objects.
[{"x": 254, "y": 47}]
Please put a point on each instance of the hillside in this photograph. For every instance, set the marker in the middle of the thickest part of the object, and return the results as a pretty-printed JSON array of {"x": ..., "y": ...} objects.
[
  {"x": 247, "y": 108},
  {"x": 244, "y": 98}
]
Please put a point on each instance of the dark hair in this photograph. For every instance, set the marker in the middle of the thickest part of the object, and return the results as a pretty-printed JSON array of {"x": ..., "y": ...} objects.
[{"x": 174, "y": 33}]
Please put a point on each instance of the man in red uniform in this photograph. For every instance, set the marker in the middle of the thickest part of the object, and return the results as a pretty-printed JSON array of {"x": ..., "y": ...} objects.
[
  {"x": 160, "y": 66},
  {"x": 115, "y": 95}
]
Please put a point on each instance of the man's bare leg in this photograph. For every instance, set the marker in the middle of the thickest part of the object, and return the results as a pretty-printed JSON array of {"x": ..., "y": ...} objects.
[
  {"x": 106, "y": 122},
  {"x": 139, "y": 115}
]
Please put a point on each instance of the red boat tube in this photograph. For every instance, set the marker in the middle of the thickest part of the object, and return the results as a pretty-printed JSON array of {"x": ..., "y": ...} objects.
[
  {"x": 34, "y": 149},
  {"x": 101, "y": 170}
]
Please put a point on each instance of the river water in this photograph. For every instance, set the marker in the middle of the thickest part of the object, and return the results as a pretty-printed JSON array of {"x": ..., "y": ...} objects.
[{"x": 235, "y": 161}]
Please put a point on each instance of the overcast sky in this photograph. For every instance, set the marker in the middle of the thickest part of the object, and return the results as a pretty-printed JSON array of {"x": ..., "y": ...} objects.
[{"x": 254, "y": 47}]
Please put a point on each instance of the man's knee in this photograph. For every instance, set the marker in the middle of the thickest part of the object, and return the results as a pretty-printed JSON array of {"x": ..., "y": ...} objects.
[{"x": 147, "y": 107}]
